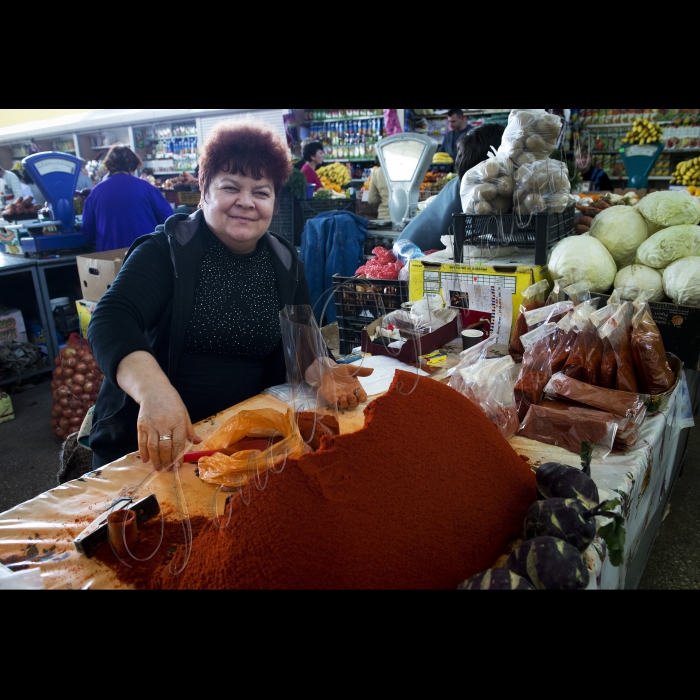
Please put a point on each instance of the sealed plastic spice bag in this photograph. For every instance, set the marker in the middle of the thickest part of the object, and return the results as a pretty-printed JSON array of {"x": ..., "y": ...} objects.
[
  {"x": 541, "y": 186},
  {"x": 569, "y": 428},
  {"x": 488, "y": 187},
  {"x": 562, "y": 340},
  {"x": 533, "y": 298},
  {"x": 489, "y": 385},
  {"x": 617, "y": 402},
  {"x": 536, "y": 368},
  {"x": 608, "y": 364},
  {"x": 617, "y": 330},
  {"x": 579, "y": 292},
  {"x": 547, "y": 314},
  {"x": 468, "y": 358},
  {"x": 557, "y": 293},
  {"x": 586, "y": 352},
  {"x": 649, "y": 354},
  {"x": 531, "y": 135}
]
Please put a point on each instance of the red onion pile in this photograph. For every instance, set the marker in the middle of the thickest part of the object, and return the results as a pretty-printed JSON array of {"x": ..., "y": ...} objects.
[{"x": 76, "y": 382}]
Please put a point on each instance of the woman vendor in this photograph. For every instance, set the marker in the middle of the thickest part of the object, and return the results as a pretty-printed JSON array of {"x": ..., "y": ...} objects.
[{"x": 191, "y": 325}]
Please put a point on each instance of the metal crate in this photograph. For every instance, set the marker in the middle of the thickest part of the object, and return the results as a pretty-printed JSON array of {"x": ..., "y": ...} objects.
[
  {"x": 359, "y": 302},
  {"x": 283, "y": 221},
  {"x": 539, "y": 231}
]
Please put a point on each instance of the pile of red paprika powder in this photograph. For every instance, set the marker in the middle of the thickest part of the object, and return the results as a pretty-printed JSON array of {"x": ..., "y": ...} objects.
[{"x": 426, "y": 495}]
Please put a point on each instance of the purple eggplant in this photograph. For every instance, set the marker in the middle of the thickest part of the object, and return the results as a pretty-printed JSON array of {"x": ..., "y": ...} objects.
[
  {"x": 496, "y": 580},
  {"x": 550, "y": 564}
]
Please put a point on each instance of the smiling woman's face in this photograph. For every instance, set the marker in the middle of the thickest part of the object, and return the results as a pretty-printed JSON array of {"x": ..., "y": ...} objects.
[{"x": 239, "y": 210}]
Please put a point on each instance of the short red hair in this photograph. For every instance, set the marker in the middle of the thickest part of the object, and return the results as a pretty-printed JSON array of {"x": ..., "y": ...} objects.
[{"x": 247, "y": 147}]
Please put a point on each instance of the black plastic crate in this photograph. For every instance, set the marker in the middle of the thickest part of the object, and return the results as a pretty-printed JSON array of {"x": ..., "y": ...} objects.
[
  {"x": 283, "y": 221},
  {"x": 359, "y": 302},
  {"x": 539, "y": 231},
  {"x": 311, "y": 208}
]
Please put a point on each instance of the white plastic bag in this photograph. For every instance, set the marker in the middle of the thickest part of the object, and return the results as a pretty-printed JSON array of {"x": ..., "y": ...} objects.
[
  {"x": 541, "y": 186},
  {"x": 488, "y": 187},
  {"x": 531, "y": 135}
]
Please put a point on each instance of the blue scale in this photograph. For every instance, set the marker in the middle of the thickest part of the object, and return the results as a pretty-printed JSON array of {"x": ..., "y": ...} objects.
[
  {"x": 639, "y": 161},
  {"x": 56, "y": 176}
]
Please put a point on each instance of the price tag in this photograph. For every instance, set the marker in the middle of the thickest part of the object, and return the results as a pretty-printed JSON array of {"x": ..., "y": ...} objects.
[{"x": 649, "y": 151}]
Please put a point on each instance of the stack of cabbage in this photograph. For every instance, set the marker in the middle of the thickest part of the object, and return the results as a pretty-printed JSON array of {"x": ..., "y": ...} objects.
[{"x": 654, "y": 246}]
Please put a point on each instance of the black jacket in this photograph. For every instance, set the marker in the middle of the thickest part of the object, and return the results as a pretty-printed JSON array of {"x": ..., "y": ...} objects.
[{"x": 149, "y": 307}]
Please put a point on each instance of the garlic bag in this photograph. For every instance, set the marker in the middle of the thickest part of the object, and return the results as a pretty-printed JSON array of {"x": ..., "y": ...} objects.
[
  {"x": 541, "y": 186},
  {"x": 488, "y": 187},
  {"x": 531, "y": 136}
]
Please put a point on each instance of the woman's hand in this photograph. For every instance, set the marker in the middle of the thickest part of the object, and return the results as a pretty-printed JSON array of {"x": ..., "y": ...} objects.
[
  {"x": 163, "y": 414},
  {"x": 338, "y": 384}
]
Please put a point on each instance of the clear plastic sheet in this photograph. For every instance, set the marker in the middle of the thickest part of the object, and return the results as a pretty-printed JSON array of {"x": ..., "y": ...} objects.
[
  {"x": 468, "y": 358},
  {"x": 533, "y": 298},
  {"x": 531, "y": 135},
  {"x": 542, "y": 186},
  {"x": 653, "y": 372},
  {"x": 489, "y": 385},
  {"x": 569, "y": 429},
  {"x": 488, "y": 187}
]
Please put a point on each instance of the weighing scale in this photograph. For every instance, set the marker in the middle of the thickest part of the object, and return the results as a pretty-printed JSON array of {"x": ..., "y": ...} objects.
[
  {"x": 639, "y": 160},
  {"x": 56, "y": 176},
  {"x": 405, "y": 159}
]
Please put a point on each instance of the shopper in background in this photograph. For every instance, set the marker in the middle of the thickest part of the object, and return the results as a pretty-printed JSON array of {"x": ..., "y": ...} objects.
[
  {"x": 313, "y": 159},
  {"x": 379, "y": 191},
  {"x": 29, "y": 188},
  {"x": 596, "y": 177},
  {"x": 300, "y": 163},
  {"x": 191, "y": 325},
  {"x": 458, "y": 128},
  {"x": 84, "y": 180},
  {"x": 10, "y": 186},
  {"x": 122, "y": 207},
  {"x": 426, "y": 229}
]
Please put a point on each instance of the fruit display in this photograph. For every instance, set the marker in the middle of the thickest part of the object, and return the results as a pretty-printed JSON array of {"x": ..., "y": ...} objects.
[
  {"x": 644, "y": 131},
  {"x": 336, "y": 173},
  {"x": 183, "y": 179},
  {"x": 434, "y": 182},
  {"x": 442, "y": 158},
  {"x": 22, "y": 207},
  {"x": 328, "y": 185},
  {"x": 687, "y": 173}
]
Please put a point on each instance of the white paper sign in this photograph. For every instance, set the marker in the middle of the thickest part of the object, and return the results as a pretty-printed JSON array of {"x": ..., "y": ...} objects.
[{"x": 478, "y": 303}]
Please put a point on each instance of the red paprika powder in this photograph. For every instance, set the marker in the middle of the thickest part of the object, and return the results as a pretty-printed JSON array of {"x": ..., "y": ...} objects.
[{"x": 427, "y": 494}]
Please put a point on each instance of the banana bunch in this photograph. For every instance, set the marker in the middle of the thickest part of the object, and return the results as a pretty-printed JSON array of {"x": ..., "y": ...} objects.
[
  {"x": 441, "y": 158},
  {"x": 644, "y": 131},
  {"x": 335, "y": 172},
  {"x": 687, "y": 173}
]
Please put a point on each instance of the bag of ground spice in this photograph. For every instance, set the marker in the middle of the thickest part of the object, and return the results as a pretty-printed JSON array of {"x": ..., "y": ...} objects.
[
  {"x": 586, "y": 352},
  {"x": 608, "y": 365},
  {"x": 489, "y": 385},
  {"x": 578, "y": 292},
  {"x": 536, "y": 368},
  {"x": 557, "y": 294},
  {"x": 649, "y": 354},
  {"x": 533, "y": 298},
  {"x": 562, "y": 340},
  {"x": 617, "y": 330},
  {"x": 547, "y": 314},
  {"x": 569, "y": 429}
]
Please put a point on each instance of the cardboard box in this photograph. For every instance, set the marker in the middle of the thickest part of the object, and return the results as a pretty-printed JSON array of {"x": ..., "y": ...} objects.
[
  {"x": 85, "y": 309},
  {"x": 6, "y": 410},
  {"x": 680, "y": 330},
  {"x": 12, "y": 325},
  {"x": 411, "y": 351},
  {"x": 98, "y": 271},
  {"x": 430, "y": 274}
]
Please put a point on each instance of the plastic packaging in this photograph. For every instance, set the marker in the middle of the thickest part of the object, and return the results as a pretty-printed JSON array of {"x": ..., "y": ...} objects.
[
  {"x": 561, "y": 342},
  {"x": 489, "y": 385},
  {"x": 617, "y": 330},
  {"x": 541, "y": 186},
  {"x": 468, "y": 358},
  {"x": 531, "y": 135},
  {"x": 547, "y": 314},
  {"x": 536, "y": 369},
  {"x": 578, "y": 292},
  {"x": 488, "y": 187},
  {"x": 533, "y": 298},
  {"x": 617, "y": 402},
  {"x": 557, "y": 293},
  {"x": 568, "y": 429},
  {"x": 405, "y": 251},
  {"x": 652, "y": 369},
  {"x": 586, "y": 351}
]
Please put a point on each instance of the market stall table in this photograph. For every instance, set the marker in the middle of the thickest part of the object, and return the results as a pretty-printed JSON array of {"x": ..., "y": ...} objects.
[{"x": 40, "y": 532}]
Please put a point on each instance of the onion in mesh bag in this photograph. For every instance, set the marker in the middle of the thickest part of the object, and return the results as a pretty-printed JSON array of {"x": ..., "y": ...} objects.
[{"x": 487, "y": 187}]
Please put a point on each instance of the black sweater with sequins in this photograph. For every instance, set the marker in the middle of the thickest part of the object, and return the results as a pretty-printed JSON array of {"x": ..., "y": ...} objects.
[{"x": 149, "y": 308}]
